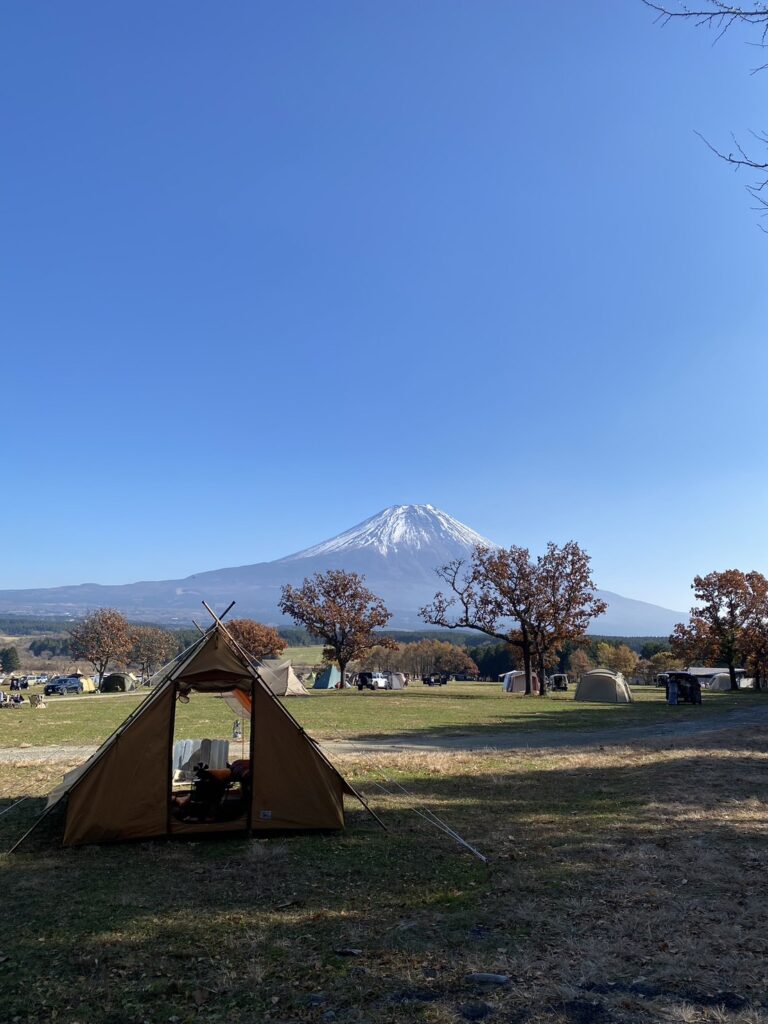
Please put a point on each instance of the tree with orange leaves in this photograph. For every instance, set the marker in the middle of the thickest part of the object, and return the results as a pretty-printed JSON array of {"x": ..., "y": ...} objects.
[
  {"x": 256, "y": 639},
  {"x": 338, "y": 607},
  {"x": 535, "y": 606},
  {"x": 730, "y": 605}
]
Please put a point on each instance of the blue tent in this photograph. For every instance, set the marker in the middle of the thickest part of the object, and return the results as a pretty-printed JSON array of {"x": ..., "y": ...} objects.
[{"x": 327, "y": 679}]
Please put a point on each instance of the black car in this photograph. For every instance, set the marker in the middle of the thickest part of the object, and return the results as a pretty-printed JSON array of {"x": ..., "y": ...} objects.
[
  {"x": 435, "y": 679},
  {"x": 62, "y": 685}
]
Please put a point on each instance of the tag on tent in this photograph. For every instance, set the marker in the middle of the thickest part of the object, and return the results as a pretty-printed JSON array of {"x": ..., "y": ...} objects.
[{"x": 265, "y": 815}]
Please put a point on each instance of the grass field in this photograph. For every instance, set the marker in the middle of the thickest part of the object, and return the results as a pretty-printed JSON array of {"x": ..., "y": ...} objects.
[
  {"x": 304, "y": 655},
  {"x": 624, "y": 885},
  {"x": 459, "y": 708}
]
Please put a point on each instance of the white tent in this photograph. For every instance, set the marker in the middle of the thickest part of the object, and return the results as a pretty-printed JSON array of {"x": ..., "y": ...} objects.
[{"x": 722, "y": 681}]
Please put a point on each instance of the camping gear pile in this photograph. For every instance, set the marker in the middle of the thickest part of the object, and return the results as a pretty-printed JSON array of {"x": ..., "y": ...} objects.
[
  {"x": 14, "y": 700},
  {"x": 682, "y": 688}
]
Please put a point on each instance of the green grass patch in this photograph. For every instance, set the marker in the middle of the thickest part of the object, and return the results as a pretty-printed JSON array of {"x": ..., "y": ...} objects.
[
  {"x": 304, "y": 655},
  {"x": 472, "y": 709}
]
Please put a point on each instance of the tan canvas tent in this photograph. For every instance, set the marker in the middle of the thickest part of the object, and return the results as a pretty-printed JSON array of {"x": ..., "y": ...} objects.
[
  {"x": 281, "y": 679},
  {"x": 603, "y": 687},
  {"x": 125, "y": 790}
]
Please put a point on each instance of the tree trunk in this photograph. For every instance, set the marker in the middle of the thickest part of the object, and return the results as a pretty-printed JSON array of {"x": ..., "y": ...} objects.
[
  {"x": 526, "y": 645},
  {"x": 732, "y": 673},
  {"x": 542, "y": 686}
]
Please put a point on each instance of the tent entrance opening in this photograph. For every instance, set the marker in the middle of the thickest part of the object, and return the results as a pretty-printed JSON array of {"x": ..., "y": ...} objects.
[{"x": 210, "y": 762}]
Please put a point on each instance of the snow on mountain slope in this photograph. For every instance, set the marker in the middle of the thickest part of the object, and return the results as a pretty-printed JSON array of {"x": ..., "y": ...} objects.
[
  {"x": 398, "y": 528},
  {"x": 397, "y": 551}
]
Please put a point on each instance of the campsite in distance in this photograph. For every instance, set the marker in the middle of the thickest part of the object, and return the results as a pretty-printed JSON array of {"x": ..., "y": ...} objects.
[
  {"x": 425, "y": 748},
  {"x": 383, "y": 588}
]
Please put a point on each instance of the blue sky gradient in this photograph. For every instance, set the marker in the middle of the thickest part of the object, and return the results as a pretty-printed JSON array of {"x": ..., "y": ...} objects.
[{"x": 271, "y": 267}]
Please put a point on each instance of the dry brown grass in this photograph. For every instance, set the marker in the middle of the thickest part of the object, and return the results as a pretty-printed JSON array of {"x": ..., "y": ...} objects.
[{"x": 625, "y": 884}]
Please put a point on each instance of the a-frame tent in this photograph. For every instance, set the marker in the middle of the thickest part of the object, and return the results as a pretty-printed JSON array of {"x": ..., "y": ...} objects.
[
  {"x": 281, "y": 679},
  {"x": 123, "y": 791},
  {"x": 328, "y": 679}
]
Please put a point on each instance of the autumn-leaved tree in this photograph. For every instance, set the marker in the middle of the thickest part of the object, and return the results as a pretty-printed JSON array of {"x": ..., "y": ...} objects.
[
  {"x": 694, "y": 643},
  {"x": 152, "y": 647},
  {"x": 565, "y": 601},
  {"x": 536, "y": 606},
  {"x": 421, "y": 658},
  {"x": 102, "y": 637},
  {"x": 617, "y": 658},
  {"x": 256, "y": 639},
  {"x": 338, "y": 607},
  {"x": 664, "y": 661},
  {"x": 755, "y": 645},
  {"x": 729, "y": 606},
  {"x": 492, "y": 593},
  {"x": 579, "y": 663}
]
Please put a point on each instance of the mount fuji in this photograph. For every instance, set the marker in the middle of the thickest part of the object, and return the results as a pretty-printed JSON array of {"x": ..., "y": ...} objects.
[{"x": 397, "y": 550}]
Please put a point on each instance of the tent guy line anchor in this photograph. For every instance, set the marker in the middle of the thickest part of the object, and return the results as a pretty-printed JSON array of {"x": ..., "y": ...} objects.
[
  {"x": 420, "y": 809},
  {"x": 432, "y": 819},
  {"x": 15, "y": 804}
]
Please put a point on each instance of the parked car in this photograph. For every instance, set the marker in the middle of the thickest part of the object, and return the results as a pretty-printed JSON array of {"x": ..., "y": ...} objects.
[
  {"x": 371, "y": 681},
  {"x": 62, "y": 685},
  {"x": 435, "y": 679},
  {"x": 19, "y": 684},
  {"x": 559, "y": 681}
]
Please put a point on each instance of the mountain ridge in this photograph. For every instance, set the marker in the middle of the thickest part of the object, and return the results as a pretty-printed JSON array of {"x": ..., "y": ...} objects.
[{"x": 397, "y": 550}]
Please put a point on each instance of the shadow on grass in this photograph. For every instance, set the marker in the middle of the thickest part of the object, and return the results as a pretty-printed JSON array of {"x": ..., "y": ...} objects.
[
  {"x": 617, "y": 888},
  {"x": 543, "y": 719}
]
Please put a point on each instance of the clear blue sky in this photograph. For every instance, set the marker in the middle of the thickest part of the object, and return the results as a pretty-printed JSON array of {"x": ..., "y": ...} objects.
[{"x": 270, "y": 267}]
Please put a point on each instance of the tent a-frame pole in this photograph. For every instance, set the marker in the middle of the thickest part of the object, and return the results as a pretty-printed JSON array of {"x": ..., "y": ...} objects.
[
  {"x": 315, "y": 746},
  {"x": 115, "y": 735}
]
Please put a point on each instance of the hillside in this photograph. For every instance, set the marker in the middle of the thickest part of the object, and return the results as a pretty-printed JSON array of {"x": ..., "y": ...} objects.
[{"x": 397, "y": 550}]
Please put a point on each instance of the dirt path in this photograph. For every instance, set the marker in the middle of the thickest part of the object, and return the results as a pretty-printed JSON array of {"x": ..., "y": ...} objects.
[
  {"x": 431, "y": 742},
  {"x": 509, "y": 740}
]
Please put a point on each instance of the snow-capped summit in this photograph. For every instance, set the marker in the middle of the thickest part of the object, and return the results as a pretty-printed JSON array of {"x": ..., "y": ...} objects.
[
  {"x": 398, "y": 529},
  {"x": 397, "y": 551}
]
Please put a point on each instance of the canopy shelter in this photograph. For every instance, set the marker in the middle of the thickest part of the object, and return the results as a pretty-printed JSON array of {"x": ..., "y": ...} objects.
[
  {"x": 125, "y": 790},
  {"x": 281, "y": 679},
  {"x": 603, "y": 687}
]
